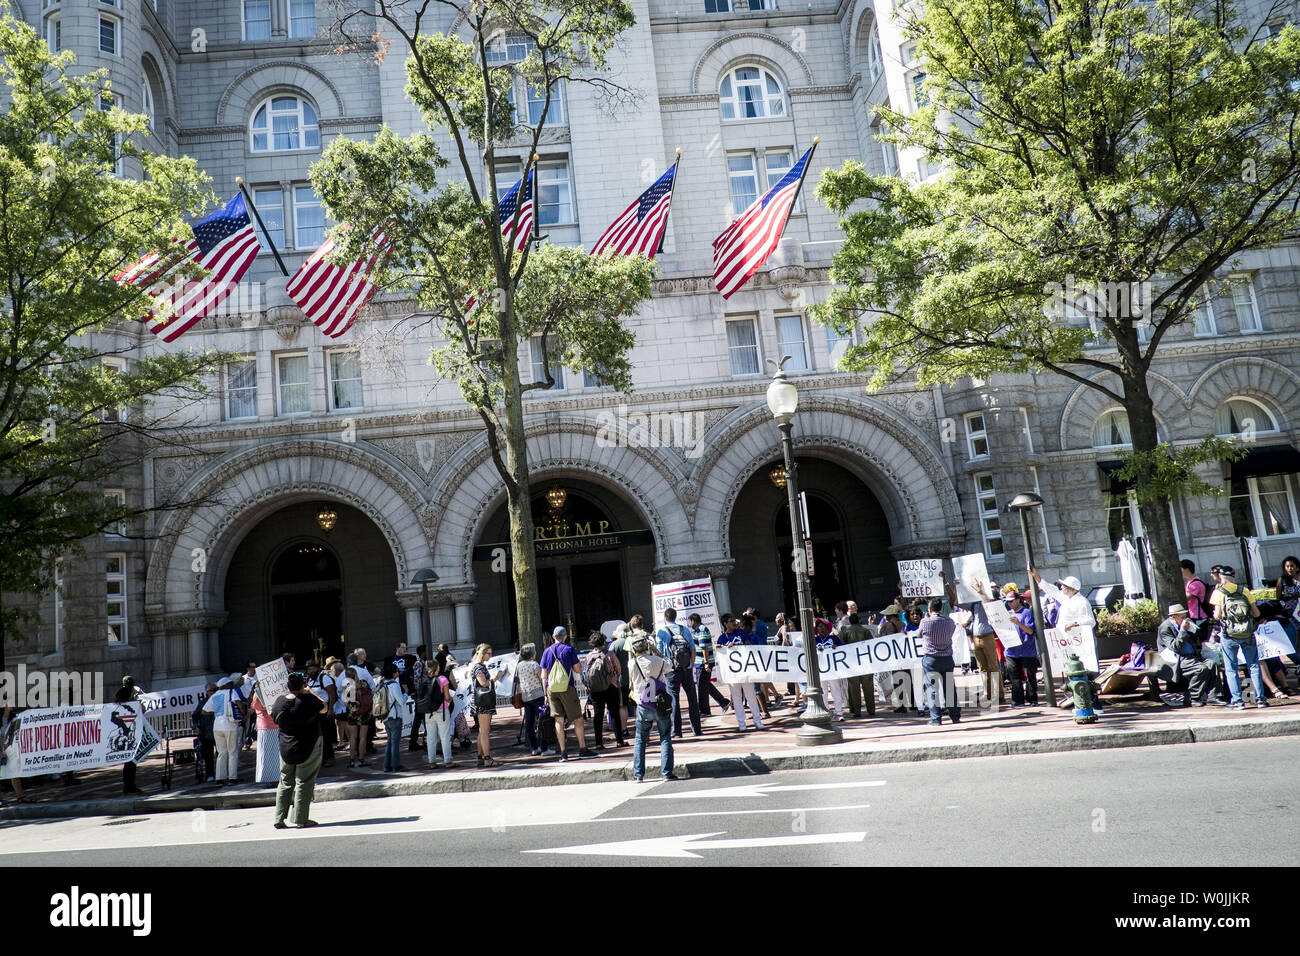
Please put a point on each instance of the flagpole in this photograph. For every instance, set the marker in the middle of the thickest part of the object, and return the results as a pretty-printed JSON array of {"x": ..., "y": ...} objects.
[
  {"x": 239, "y": 181},
  {"x": 537, "y": 199},
  {"x": 802, "y": 176},
  {"x": 677, "y": 168}
]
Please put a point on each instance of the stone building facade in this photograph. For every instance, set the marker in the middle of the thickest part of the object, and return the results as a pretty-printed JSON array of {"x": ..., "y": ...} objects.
[{"x": 678, "y": 475}]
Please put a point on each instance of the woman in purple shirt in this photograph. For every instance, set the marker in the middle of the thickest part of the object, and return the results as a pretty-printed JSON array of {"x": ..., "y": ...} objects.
[{"x": 1022, "y": 658}]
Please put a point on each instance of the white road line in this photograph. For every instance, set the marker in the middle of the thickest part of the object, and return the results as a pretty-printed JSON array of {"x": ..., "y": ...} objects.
[{"x": 756, "y": 790}]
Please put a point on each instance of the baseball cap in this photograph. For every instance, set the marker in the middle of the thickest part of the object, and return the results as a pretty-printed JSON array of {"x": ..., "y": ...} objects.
[
  {"x": 1072, "y": 582},
  {"x": 1228, "y": 570},
  {"x": 892, "y": 611}
]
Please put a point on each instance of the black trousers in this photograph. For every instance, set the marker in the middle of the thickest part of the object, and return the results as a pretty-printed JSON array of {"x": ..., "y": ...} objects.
[
  {"x": 704, "y": 678},
  {"x": 208, "y": 754},
  {"x": 128, "y": 777},
  {"x": 330, "y": 735},
  {"x": 610, "y": 697},
  {"x": 1023, "y": 674}
]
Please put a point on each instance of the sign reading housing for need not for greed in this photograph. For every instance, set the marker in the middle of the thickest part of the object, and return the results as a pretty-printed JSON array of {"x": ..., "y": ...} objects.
[
  {"x": 920, "y": 578},
  {"x": 743, "y": 663},
  {"x": 61, "y": 739},
  {"x": 688, "y": 597}
]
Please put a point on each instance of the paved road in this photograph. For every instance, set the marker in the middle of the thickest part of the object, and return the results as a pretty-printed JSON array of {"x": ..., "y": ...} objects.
[{"x": 1104, "y": 808}]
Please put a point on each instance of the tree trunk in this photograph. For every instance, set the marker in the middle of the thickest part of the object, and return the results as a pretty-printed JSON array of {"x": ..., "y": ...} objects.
[
  {"x": 518, "y": 490},
  {"x": 1157, "y": 522}
]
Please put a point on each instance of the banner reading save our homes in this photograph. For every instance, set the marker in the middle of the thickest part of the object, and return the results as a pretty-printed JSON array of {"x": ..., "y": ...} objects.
[
  {"x": 689, "y": 597},
  {"x": 743, "y": 663},
  {"x": 62, "y": 739},
  {"x": 180, "y": 700}
]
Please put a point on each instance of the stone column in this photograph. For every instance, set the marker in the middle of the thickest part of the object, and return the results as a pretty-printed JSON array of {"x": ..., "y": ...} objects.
[
  {"x": 214, "y": 652},
  {"x": 198, "y": 651},
  {"x": 722, "y": 594},
  {"x": 414, "y": 636},
  {"x": 465, "y": 624},
  {"x": 158, "y": 633}
]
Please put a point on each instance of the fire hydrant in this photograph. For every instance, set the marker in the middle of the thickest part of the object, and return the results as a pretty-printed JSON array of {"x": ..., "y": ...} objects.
[{"x": 1083, "y": 689}]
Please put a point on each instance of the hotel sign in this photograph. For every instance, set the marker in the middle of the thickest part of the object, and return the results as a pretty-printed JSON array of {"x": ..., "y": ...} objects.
[{"x": 579, "y": 537}]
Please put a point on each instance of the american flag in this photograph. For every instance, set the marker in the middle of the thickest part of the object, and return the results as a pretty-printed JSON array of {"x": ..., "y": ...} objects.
[
  {"x": 641, "y": 226},
  {"x": 745, "y": 245},
  {"x": 330, "y": 295},
  {"x": 506, "y": 215},
  {"x": 224, "y": 243}
]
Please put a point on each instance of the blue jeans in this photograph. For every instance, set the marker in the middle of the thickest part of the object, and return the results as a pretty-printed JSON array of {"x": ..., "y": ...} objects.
[
  {"x": 936, "y": 670},
  {"x": 393, "y": 751},
  {"x": 647, "y": 717},
  {"x": 1251, "y": 653},
  {"x": 677, "y": 682}
]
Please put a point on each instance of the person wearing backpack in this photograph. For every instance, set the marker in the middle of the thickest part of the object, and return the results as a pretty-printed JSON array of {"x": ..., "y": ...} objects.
[
  {"x": 677, "y": 644},
  {"x": 559, "y": 662},
  {"x": 225, "y": 729},
  {"x": 357, "y": 701},
  {"x": 207, "y": 738},
  {"x": 647, "y": 671},
  {"x": 1236, "y": 612},
  {"x": 435, "y": 705},
  {"x": 388, "y": 705},
  {"x": 604, "y": 688}
]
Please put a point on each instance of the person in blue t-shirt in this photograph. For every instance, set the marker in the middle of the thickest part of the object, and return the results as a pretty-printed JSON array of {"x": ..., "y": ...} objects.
[
  {"x": 760, "y": 626},
  {"x": 837, "y": 688},
  {"x": 742, "y": 693},
  {"x": 749, "y": 628}
]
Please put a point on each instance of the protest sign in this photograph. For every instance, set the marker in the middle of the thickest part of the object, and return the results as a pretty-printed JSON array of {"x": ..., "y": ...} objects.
[
  {"x": 742, "y": 663},
  {"x": 920, "y": 578},
  {"x": 960, "y": 645},
  {"x": 62, "y": 739},
  {"x": 180, "y": 700},
  {"x": 272, "y": 681},
  {"x": 148, "y": 741},
  {"x": 1000, "y": 620},
  {"x": 1272, "y": 641},
  {"x": 688, "y": 597},
  {"x": 968, "y": 570},
  {"x": 1079, "y": 640}
]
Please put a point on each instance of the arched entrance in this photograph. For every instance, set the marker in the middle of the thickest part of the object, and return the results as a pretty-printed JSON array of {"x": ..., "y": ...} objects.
[
  {"x": 850, "y": 532},
  {"x": 594, "y": 562},
  {"x": 306, "y": 589}
]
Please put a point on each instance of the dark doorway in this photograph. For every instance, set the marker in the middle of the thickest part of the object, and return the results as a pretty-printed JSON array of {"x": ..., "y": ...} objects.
[
  {"x": 829, "y": 580},
  {"x": 307, "y": 603},
  {"x": 548, "y": 594},
  {"x": 597, "y": 595}
]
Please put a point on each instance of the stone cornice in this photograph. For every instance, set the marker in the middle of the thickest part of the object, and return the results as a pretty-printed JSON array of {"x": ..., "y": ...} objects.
[
  {"x": 695, "y": 284},
  {"x": 411, "y": 600},
  {"x": 719, "y": 568},
  {"x": 191, "y": 621}
]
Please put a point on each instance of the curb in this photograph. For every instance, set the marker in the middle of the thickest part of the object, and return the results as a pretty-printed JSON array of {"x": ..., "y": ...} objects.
[{"x": 748, "y": 765}]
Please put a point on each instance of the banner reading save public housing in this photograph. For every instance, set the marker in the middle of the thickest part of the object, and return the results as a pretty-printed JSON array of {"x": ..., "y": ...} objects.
[{"x": 62, "y": 739}]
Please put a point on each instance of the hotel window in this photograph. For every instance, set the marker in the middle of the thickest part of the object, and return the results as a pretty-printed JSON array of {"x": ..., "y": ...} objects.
[
  {"x": 833, "y": 340},
  {"x": 1112, "y": 430},
  {"x": 1263, "y": 507},
  {"x": 742, "y": 345},
  {"x": 270, "y": 205},
  {"x": 875, "y": 59},
  {"x": 990, "y": 524},
  {"x": 1243, "y": 418},
  {"x": 257, "y": 20},
  {"x": 284, "y": 123},
  {"x": 717, "y": 6},
  {"x": 790, "y": 341},
  {"x": 115, "y": 596},
  {"x": 1204, "y": 322},
  {"x": 591, "y": 379},
  {"x": 751, "y": 92},
  {"x": 106, "y": 103},
  {"x": 777, "y": 163},
  {"x": 502, "y": 49},
  {"x": 291, "y": 380},
  {"x": 302, "y": 18},
  {"x": 754, "y": 173},
  {"x": 1247, "y": 306},
  {"x": 977, "y": 437},
  {"x": 110, "y": 35},
  {"x": 54, "y": 32},
  {"x": 507, "y": 175},
  {"x": 345, "y": 380},
  {"x": 241, "y": 389},
  {"x": 308, "y": 218},
  {"x": 554, "y": 194},
  {"x": 146, "y": 98},
  {"x": 1122, "y": 516},
  {"x": 918, "y": 90},
  {"x": 113, "y": 366},
  {"x": 115, "y": 498},
  {"x": 537, "y": 100},
  {"x": 539, "y": 363}
]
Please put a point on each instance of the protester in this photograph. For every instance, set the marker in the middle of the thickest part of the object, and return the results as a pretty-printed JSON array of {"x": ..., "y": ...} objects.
[
  {"x": 860, "y": 688},
  {"x": 126, "y": 693},
  {"x": 1189, "y": 673},
  {"x": 559, "y": 664},
  {"x": 937, "y": 664},
  {"x": 267, "y": 769},
  {"x": 298, "y": 715},
  {"x": 390, "y": 702},
  {"x": 528, "y": 685},
  {"x": 1235, "y": 610},
  {"x": 895, "y": 686},
  {"x": 321, "y": 683},
  {"x": 1073, "y": 609},
  {"x": 647, "y": 672},
  {"x": 677, "y": 645},
  {"x": 436, "y": 706},
  {"x": 749, "y": 635},
  {"x": 984, "y": 639},
  {"x": 483, "y": 701},
  {"x": 605, "y": 689},
  {"x": 358, "y": 700},
  {"x": 1022, "y": 658},
  {"x": 1288, "y": 595},
  {"x": 742, "y": 692},
  {"x": 836, "y": 688},
  {"x": 1194, "y": 591},
  {"x": 202, "y": 723},
  {"x": 704, "y": 667},
  {"x": 225, "y": 729},
  {"x": 340, "y": 714}
]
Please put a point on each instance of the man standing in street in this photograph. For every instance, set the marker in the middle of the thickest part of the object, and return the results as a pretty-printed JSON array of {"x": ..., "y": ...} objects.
[
  {"x": 560, "y": 665},
  {"x": 298, "y": 715},
  {"x": 937, "y": 664},
  {"x": 1235, "y": 612},
  {"x": 677, "y": 644}
]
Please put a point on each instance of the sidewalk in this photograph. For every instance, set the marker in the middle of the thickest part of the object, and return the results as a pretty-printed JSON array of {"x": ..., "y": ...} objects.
[{"x": 1129, "y": 721}]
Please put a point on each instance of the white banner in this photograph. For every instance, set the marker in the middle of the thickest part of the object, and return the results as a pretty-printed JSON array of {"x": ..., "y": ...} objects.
[
  {"x": 181, "y": 700},
  {"x": 1000, "y": 620},
  {"x": 747, "y": 663},
  {"x": 920, "y": 578},
  {"x": 689, "y": 597},
  {"x": 60, "y": 739},
  {"x": 968, "y": 570},
  {"x": 1271, "y": 640},
  {"x": 272, "y": 681},
  {"x": 1077, "y": 639}
]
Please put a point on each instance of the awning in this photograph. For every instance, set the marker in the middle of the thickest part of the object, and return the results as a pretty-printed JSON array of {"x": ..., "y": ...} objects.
[
  {"x": 1266, "y": 460},
  {"x": 1109, "y": 483}
]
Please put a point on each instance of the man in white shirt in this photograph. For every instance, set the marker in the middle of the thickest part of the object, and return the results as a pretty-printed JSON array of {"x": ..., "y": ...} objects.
[
  {"x": 225, "y": 728},
  {"x": 1075, "y": 610}
]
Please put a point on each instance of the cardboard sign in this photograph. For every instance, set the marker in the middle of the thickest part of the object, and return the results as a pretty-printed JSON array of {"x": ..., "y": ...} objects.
[
  {"x": 1001, "y": 622},
  {"x": 1271, "y": 640},
  {"x": 272, "y": 681},
  {"x": 920, "y": 577},
  {"x": 1079, "y": 640},
  {"x": 969, "y": 569},
  {"x": 688, "y": 597},
  {"x": 60, "y": 739}
]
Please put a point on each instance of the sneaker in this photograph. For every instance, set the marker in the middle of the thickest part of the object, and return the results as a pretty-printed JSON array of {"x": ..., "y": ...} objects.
[
  {"x": 587, "y": 754},
  {"x": 1261, "y": 702},
  {"x": 549, "y": 753},
  {"x": 935, "y": 723},
  {"x": 537, "y": 751},
  {"x": 638, "y": 780},
  {"x": 1238, "y": 705},
  {"x": 562, "y": 757}
]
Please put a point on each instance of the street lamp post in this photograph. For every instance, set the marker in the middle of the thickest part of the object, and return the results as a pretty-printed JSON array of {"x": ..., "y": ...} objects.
[
  {"x": 783, "y": 401},
  {"x": 424, "y": 576},
  {"x": 1021, "y": 504}
]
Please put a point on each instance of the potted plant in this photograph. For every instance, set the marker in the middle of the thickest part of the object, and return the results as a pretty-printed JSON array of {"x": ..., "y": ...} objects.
[{"x": 1118, "y": 630}]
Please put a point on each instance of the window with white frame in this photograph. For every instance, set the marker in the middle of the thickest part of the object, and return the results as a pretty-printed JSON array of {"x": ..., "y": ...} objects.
[
  {"x": 540, "y": 363},
  {"x": 833, "y": 342},
  {"x": 1203, "y": 321},
  {"x": 110, "y": 35},
  {"x": 270, "y": 206},
  {"x": 54, "y": 32},
  {"x": 791, "y": 341},
  {"x": 753, "y": 173},
  {"x": 591, "y": 379},
  {"x": 1263, "y": 506},
  {"x": 284, "y": 123},
  {"x": 507, "y": 175},
  {"x": 115, "y": 4},
  {"x": 113, "y": 365},
  {"x": 502, "y": 50},
  {"x": 302, "y": 18},
  {"x": 308, "y": 218},
  {"x": 1246, "y": 304},
  {"x": 106, "y": 103},
  {"x": 977, "y": 436},
  {"x": 115, "y": 596},
  {"x": 1241, "y": 417},
  {"x": 537, "y": 102},
  {"x": 751, "y": 92},
  {"x": 554, "y": 194},
  {"x": 241, "y": 389},
  {"x": 115, "y": 498},
  {"x": 875, "y": 59},
  {"x": 742, "y": 346},
  {"x": 146, "y": 98},
  {"x": 917, "y": 84},
  {"x": 1112, "y": 430},
  {"x": 345, "y": 390},
  {"x": 778, "y": 162},
  {"x": 292, "y": 384},
  {"x": 717, "y": 6},
  {"x": 990, "y": 523},
  {"x": 257, "y": 20}
]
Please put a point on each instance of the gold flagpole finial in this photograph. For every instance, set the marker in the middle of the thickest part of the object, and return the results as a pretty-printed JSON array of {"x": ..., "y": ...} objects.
[
  {"x": 816, "y": 140},
  {"x": 239, "y": 180},
  {"x": 679, "y": 150}
]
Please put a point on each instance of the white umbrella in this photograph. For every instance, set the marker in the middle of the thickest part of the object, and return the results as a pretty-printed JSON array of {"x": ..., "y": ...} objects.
[{"x": 609, "y": 627}]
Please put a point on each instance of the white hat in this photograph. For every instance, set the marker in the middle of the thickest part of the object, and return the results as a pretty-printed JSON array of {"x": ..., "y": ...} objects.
[
  {"x": 1072, "y": 582},
  {"x": 1176, "y": 609},
  {"x": 224, "y": 682}
]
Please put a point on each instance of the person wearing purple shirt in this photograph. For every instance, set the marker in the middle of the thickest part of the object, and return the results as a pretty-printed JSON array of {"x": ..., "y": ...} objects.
[
  {"x": 1022, "y": 658},
  {"x": 936, "y": 633}
]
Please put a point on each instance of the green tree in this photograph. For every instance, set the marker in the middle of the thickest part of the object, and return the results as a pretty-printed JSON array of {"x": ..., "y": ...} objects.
[
  {"x": 69, "y": 424},
  {"x": 447, "y": 245},
  {"x": 1101, "y": 159}
]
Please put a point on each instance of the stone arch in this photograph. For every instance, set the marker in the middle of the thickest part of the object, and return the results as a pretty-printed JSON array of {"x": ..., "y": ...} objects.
[
  {"x": 751, "y": 46},
  {"x": 161, "y": 90},
  {"x": 1085, "y": 404},
  {"x": 644, "y": 476},
  {"x": 236, "y": 493},
  {"x": 1273, "y": 385},
  {"x": 256, "y": 83},
  {"x": 858, "y": 36},
  {"x": 904, "y": 472}
]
